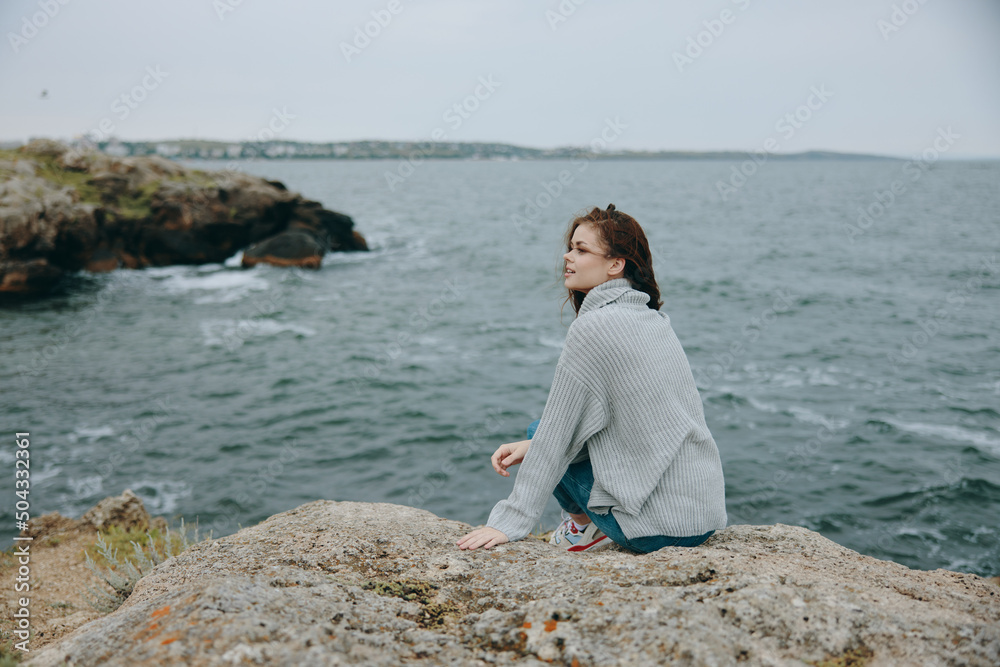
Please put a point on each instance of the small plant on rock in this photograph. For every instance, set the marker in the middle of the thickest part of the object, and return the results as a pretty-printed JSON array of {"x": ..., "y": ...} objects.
[{"x": 122, "y": 574}]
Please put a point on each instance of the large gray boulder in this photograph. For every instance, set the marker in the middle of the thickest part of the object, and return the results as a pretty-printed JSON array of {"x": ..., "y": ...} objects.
[{"x": 337, "y": 583}]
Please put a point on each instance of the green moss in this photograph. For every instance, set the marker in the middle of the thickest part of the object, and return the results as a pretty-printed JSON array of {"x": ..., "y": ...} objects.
[
  {"x": 137, "y": 204},
  {"x": 134, "y": 204},
  {"x": 78, "y": 180},
  {"x": 421, "y": 592},
  {"x": 9, "y": 655},
  {"x": 196, "y": 177}
]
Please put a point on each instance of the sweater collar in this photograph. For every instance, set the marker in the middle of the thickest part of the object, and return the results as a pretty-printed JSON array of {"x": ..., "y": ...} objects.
[{"x": 616, "y": 289}]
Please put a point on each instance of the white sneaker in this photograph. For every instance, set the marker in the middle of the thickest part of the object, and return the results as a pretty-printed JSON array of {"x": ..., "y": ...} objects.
[{"x": 570, "y": 538}]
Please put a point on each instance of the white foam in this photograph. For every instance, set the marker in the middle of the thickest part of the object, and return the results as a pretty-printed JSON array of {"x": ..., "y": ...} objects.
[
  {"x": 760, "y": 405},
  {"x": 788, "y": 379},
  {"x": 810, "y": 417},
  {"x": 216, "y": 286},
  {"x": 920, "y": 532},
  {"x": 90, "y": 433},
  {"x": 817, "y": 377},
  {"x": 233, "y": 333},
  {"x": 165, "y": 494},
  {"x": 209, "y": 268},
  {"x": 349, "y": 257},
  {"x": 953, "y": 433},
  {"x": 85, "y": 487},
  {"x": 551, "y": 342},
  {"x": 39, "y": 475}
]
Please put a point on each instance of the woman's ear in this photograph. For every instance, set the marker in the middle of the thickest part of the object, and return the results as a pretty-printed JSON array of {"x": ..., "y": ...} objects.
[{"x": 618, "y": 266}]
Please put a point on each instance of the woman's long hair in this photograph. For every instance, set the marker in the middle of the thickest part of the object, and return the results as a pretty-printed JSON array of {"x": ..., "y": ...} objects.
[{"x": 622, "y": 237}]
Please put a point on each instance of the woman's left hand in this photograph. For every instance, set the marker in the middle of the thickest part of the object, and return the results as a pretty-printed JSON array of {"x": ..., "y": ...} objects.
[{"x": 485, "y": 537}]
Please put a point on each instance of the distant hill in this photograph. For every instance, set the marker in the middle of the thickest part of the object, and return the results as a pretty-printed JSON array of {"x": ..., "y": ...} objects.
[{"x": 401, "y": 150}]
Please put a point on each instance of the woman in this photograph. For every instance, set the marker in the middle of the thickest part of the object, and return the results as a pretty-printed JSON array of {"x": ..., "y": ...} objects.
[{"x": 622, "y": 441}]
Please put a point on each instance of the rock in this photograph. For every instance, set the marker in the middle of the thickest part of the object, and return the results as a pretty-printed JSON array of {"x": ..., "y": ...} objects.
[
  {"x": 52, "y": 523},
  {"x": 44, "y": 148},
  {"x": 30, "y": 276},
  {"x": 126, "y": 511},
  {"x": 103, "y": 259},
  {"x": 289, "y": 248},
  {"x": 64, "y": 210},
  {"x": 331, "y": 583}
]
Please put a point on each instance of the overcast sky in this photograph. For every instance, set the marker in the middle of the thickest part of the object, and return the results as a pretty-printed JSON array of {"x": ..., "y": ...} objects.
[{"x": 872, "y": 76}]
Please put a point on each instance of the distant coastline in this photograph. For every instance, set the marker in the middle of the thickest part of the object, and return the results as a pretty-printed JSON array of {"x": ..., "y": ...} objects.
[{"x": 197, "y": 149}]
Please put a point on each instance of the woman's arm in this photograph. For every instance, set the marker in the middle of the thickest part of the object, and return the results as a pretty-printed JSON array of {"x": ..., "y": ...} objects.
[{"x": 572, "y": 414}]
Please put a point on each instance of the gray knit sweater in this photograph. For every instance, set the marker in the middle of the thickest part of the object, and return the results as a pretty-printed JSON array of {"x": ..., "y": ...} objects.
[{"x": 623, "y": 394}]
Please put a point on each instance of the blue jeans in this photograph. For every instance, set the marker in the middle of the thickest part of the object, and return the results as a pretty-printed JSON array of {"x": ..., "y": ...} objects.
[{"x": 573, "y": 494}]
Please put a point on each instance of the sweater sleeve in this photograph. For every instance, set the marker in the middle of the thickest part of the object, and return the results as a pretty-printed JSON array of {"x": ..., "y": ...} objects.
[{"x": 572, "y": 414}]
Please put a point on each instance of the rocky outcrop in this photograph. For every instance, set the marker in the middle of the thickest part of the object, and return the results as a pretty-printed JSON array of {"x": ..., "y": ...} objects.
[
  {"x": 334, "y": 583},
  {"x": 65, "y": 210},
  {"x": 126, "y": 511}
]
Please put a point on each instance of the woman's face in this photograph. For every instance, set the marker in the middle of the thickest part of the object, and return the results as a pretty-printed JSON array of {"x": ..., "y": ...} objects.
[{"x": 586, "y": 265}]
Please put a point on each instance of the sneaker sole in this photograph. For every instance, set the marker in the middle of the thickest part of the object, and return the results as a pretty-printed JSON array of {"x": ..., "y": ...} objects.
[{"x": 586, "y": 547}]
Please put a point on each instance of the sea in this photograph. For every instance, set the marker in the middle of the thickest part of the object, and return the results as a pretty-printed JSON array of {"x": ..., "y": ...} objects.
[{"x": 840, "y": 318}]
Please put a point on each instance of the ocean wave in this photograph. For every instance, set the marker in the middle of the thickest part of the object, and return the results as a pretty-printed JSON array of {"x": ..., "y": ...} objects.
[
  {"x": 949, "y": 432},
  {"x": 90, "y": 434},
  {"x": 233, "y": 333},
  {"x": 556, "y": 343},
  {"x": 220, "y": 285},
  {"x": 987, "y": 412},
  {"x": 762, "y": 406},
  {"x": 161, "y": 496},
  {"x": 808, "y": 416},
  {"x": 964, "y": 490},
  {"x": 87, "y": 486}
]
